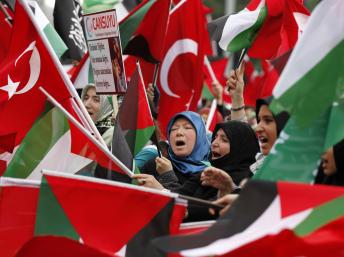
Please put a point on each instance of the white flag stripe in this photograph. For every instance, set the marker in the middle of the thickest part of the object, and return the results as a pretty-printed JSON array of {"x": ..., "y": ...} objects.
[
  {"x": 260, "y": 228},
  {"x": 325, "y": 29},
  {"x": 236, "y": 24},
  {"x": 40, "y": 17},
  {"x": 67, "y": 161}
]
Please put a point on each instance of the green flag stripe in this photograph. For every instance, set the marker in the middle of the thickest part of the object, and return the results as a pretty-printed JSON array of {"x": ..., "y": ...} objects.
[
  {"x": 129, "y": 25},
  {"x": 245, "y": 38},
  {"x": 321, "y": 86},
  {"x": 43, "y": 137},
  {"x": 296, "y": 152},
  {"x": 50, "y": 218},
  {"x": 54, "y": 39},
  {"x": 206, "y": 93},
  {"x": 142, "y": 137},
  {"x": 335, "y": 130},
  {"x": 321, "y": 216}
]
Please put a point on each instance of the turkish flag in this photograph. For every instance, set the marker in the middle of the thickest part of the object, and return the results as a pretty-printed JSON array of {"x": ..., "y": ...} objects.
[
  {"x": 180, "y": 79},
  {"x": 28, "y": 66}
]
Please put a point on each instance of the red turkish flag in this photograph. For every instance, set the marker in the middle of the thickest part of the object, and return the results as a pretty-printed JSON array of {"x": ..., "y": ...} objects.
[
  {"x": 180, "y": 79},
  {"x": 28, "y": 66}
]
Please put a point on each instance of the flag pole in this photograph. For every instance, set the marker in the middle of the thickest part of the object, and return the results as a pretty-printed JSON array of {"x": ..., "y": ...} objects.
[
  {"x": 8, "y": 17},
  {"x": 150, "y": 103},
  {"x": 241, "y": 58},
  {"x": 210, "y": 69},
  {"x": 103, "y": 148},
  {"x": 63, "y": 74},
  {"x": 201, "y": 202},
  {"x": 211, "y": 114}
]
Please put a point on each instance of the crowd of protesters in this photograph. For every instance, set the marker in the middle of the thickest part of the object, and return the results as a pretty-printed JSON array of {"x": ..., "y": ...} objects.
[{"x": 211, "y": 166}]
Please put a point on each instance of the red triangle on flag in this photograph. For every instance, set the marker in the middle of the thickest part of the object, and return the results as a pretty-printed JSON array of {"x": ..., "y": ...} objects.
[{"x": 307, "y": 196}]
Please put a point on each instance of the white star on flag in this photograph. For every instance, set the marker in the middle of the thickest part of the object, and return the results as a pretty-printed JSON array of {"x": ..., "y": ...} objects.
[{"x": 11, "y": 87}]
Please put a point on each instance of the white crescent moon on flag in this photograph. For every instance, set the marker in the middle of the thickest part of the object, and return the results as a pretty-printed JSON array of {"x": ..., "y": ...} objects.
[
  {"x": 179, "y": 47},
  {"x": 35, "y": 67}
]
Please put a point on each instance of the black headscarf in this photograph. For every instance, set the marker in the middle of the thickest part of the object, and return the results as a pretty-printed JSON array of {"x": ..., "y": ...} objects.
[
  {"x": 280, "y": 119},
  {"x": 337, "y": 178},
  {"x": 243, "y": 148}
]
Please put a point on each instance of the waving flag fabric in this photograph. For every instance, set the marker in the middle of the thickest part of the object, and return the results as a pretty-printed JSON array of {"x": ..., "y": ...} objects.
[
  {"x": 270, "y": 208},
  {"x": 102, "y": 214},
  {"x": 18, "y": 203}
]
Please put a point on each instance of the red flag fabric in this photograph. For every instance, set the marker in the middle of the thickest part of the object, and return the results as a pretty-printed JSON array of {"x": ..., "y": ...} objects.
[
  {"x": 180, "y": 78},
  {"x": 108, "y": 215},
  {"x": 18, "y": 203},
  {"x": 285, "y": 21},
  {"x": 53, "y": 246},
  {"x": 27, "y": 66},
  {"x": 327, "y": 239},
  {"x": 146, "y": 42},
  {"x": 258, "y": 84}
]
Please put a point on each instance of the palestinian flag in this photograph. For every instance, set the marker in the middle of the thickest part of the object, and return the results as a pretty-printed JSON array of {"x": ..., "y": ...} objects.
[
  {"x": 18, "y": 203},
  {"x": 263, "y": 209},
  {"x": 267, "y": 27},
  {"x": 132, "y": 21},
  {"x": 134, "y": 123},
  {"x": 312, "y": 79},
  {"x": 109, "y": 216},
  {"x": 43, "y": 23},
  {"x": 237, "y": 31},
  {"x": 147, "y": 42},
  {"x": 55, "y": 143}
]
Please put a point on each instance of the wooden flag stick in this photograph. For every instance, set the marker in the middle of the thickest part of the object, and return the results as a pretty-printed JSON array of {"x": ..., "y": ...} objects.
[
  {"x": 202, "y": 202},
  {"x": 210, "y": 69},
  {"x": 155, "y": 76},
  {"x": 241, "y": 58}
]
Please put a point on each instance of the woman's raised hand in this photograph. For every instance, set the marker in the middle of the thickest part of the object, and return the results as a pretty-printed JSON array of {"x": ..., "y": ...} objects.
[{"x": 217, "y": 178}]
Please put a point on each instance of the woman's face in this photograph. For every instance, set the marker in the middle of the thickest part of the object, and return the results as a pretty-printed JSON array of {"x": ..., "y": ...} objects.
[
  {"x": 266, "y": 129},
  {"x": 182, "y": 137},
  {"x": 220, "y": 145},
  {"x": 328, "y": 162},
  {"x": 92, "y": 103}
]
